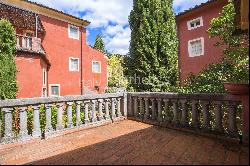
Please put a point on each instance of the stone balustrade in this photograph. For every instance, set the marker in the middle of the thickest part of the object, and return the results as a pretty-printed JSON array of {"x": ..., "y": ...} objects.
[
  {"x": 203, "y": 113},
  {"x": 212, "y": 114},
  {"x": 96, "y": 109}
]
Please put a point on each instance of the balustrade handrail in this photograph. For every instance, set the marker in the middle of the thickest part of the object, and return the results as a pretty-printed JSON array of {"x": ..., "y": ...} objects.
[
  {"x": 193, "y": 96},
  {"x": 49, "y": 100}
]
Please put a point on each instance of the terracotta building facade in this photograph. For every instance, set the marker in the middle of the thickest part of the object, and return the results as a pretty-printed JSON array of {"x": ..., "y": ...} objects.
[
  {"x": 53, "y": 57},
  {"x": 196, "y": 49}
]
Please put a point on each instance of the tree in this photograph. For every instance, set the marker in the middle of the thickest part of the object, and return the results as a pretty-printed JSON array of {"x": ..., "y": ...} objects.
[
  {"x": 116, "y": 77},
  {"x": 154, "y": 47},
  {"x": 8, "y": 83},
  {"x": 99, "y": 44}
]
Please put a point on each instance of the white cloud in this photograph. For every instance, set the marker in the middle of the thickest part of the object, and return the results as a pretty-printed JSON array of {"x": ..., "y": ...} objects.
[
  {"x": 101, "y": 13},
  {"x": 117, "y": 39}
]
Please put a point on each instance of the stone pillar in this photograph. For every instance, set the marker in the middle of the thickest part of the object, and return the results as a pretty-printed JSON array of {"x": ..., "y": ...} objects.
[
  {"x": 141, "y": 107},
  {"x": 36, "y": 132},
  {"x": 166, "y": 117},
  {"x": 48, "y": 127},
  {"x": 100, "y": 117},
  {"x": 8, "y": 133},
  {"x": 107, "y": 116},
  {"x": 232, "y": 128},
  {"x": 125, "y": 105},
  {"x": 78, "y": 114},
  {"x": 245, "y": 118},
  {"x": 176, "y": 120},
  {"x": 113, "y": 115},
  {"x": 119, "y": 107},
  {"x": 135, "y": 107},
  {"x": 146, "y": 116},
  {"x": 184, "y": 114},
  {"x": 86, "y": 113},
  {"x": 23, "y": 133},
  {"x": 218, "y": 117},
  {"x": 59, "y": 125},
  {"x": 69, "y": 115},
  {"x": 206, "y": 115},
  {"x": 94, "y": 119},
  {"x": 159, "y": 106},
  {"x": 195, "y": 119},
  {"x": 153, "y": 109}
]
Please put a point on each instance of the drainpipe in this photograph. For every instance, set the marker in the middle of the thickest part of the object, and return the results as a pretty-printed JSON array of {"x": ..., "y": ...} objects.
[
  {"x": 81, "y": 64},
  {"x": 36, "y": 24}
]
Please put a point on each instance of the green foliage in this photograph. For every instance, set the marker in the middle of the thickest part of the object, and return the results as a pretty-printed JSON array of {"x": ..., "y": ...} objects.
[
  {"x": 153, "y": 47},
  {"x": 234, "y": 66},
  {"x": 116, "y": 77},
  {"x": 99, "y": 44},
  {"x": 236, "y": 45},
  {"x": 8, "y": 84}
]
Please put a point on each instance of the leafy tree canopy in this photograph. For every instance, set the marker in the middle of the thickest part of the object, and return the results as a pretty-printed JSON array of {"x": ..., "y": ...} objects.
[{"x": 8, "y": 84}]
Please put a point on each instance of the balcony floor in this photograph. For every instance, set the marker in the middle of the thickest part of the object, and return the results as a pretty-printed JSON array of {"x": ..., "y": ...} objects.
[{"x": 126, "y": 142}]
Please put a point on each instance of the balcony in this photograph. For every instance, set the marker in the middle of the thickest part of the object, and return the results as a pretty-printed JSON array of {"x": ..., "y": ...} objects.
[
  {"x": 29, "y": 44},
  {"x": 124, "y": 128}
]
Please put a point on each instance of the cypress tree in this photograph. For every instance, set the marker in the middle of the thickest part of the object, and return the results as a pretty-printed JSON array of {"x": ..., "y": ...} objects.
[
  {"x": 153, "y": 46},
  {"x": 8, "y": 83},
  {"x": 99, "y": 44}
]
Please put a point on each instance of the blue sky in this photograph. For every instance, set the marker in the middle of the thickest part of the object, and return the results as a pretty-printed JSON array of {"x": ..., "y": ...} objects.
[{"x": 109, "y": 18}]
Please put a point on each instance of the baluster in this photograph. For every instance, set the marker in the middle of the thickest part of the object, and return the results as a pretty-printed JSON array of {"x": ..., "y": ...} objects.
[
  {"x": 184, "y": 114},
  {"x": 100, "y": 117},
  {"x": 113, "y": 115},
  {"x": 78, "y": 114},
  {"x": 86, "y": 113},
  {"x": 8, "y": 133},
  {"x": 69, "y": 115},
  {"x": 135, "y": 107},
  {"x": 206, "y": 115},
  {"x": 153, "y": 109},
  {"x": 146, "y": 116},
  {"x": 159, "y": 106},
  {"x": 23, "y": 133},
  {"x": 119, "y": 114},
  {"x": 141, "y": 107},
  {"x": 218, "y": 117},
  {"x": 232, "y": 128},
  {"x": 94, "y": 119},
  {"x": 48, "y": 127},
  {"x": 195, "y": 120},
  {"x": 107, "y": 116},
  {"x": 166, "y": 116},
  {"x": 36, "y": 132},
  {"x": 175, "y": 112},
  {"x": 59, "y": 125}
]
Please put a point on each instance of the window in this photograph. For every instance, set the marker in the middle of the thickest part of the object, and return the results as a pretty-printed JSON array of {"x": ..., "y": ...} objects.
[
  {"x": 196, "y": 47},
  {"x": 73, "y": 32},
  {"x": 44, "y": 92},
  {"x": 44, "y": 77},
  {"x": 195, "y": 23},
  {"x": 27, "y": 40},
  {"x": 96, "y": 67},
  {"x": 73, "y": 64},
  {"x": 55, "y": 90}
]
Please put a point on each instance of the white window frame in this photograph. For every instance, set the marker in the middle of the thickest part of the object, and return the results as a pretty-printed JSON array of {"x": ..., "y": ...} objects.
[
  {"x": 190, "y": 48},
  {"x": 59, "y": 90},
  {"x": 45, "y": 77},
  {"x": 46, "y": 91},
  {"x": 93, "y": 67},
  {"x": 72, "y": 37},
  {"x": 190, "y": 21},
  {"x": 78, "y": 66}
]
